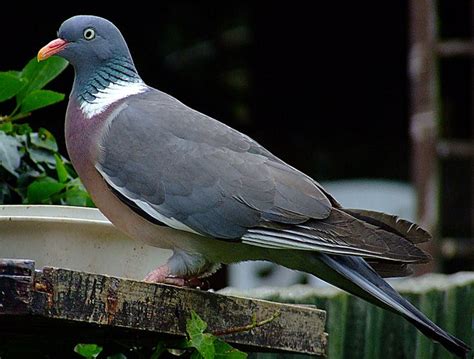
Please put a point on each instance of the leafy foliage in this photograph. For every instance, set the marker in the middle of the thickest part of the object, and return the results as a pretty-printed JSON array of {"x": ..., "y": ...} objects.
[
  {"x": 198, "y": 345},
  {"x": 207, "y": 345},
  {"x": 31, "y": 169},
  {"x": 202, "y": 342},
  {"x": 89, "y": 351}
]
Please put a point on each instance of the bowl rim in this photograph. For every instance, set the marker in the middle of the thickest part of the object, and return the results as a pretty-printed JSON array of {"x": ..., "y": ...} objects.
[{"x": 52, "y": 213}]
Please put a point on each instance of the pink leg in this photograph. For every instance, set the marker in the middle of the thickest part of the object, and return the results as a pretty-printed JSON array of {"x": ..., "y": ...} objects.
[{"x": 162, "y": 275}]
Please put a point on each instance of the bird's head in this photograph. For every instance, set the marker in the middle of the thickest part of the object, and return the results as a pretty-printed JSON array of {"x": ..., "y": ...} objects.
[
  {"x": 98, "y": 52},
  {"x": 86, "y": 40}
]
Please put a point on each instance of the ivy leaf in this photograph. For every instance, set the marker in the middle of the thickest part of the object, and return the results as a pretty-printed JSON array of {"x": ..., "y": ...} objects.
[
  {"x": 76, "y": 194},
  {"x": 6, "y": 127},
  {"x": 224, "y": 350},
  {"x": 195, "y": 325},
  {"x": 38, "y": 74},
  {"x": 10, "y": 85},
  {"x": 44, "y": 139},
  {"x": 21, "y": 128},
  {"x": 77, "y": 197},
  {"x": 10, "y": 156},
  {"x": 37, "y": 99},
  {"x": 196, "y": 355},
  {"x": 60, "y": 169},
  {"x": 202, "y": 342},
  {"x": 40, "y": 156},
  {"x": 17, "y": 74},
  {"x": 88, "y": 351},
  {"x": 27, "y": 175},
  {"x": 42, "y": 189}
]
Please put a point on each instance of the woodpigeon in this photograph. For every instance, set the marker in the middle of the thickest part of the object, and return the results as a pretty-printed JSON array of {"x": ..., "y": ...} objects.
[{"x": 175, "y": 178}]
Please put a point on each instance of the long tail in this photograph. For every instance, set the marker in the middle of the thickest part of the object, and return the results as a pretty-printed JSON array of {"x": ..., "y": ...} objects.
[{"x": 354, "y": 275}]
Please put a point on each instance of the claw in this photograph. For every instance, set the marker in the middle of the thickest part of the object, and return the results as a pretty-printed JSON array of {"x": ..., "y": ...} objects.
[{"x": 162, "y": 275}]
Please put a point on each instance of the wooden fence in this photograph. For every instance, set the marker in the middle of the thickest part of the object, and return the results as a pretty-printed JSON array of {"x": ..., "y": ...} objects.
[{"x": 358, "y": 329}]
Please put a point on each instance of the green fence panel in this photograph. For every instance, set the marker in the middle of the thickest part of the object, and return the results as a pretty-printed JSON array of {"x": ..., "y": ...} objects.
[{"x": 358, "y": 329}]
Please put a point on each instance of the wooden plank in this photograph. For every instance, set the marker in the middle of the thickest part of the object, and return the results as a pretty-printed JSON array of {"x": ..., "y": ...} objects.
[
  {"x": 424, "y": 118},
  {"x": 456, "y": 149},
  {"x": 454, "y": 48},
  {"x": 16, "y": 281},
  {"x": 120, "y": 303}
]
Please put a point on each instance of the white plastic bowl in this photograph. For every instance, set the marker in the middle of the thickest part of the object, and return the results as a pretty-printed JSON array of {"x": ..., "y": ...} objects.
[{"x": 75, "y": 238}]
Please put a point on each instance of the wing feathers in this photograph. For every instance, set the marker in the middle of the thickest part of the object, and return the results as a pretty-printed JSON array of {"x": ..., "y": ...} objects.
[
  {"x": 175, "y": 162},
  {"x": 407, "y": 229},
  {"x": 192, "y": 172},
  {"x": 340, "y": 233}
]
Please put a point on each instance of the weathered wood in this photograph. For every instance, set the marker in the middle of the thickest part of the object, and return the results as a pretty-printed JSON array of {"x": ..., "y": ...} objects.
[
  {"x": 455, "y": 149},
  {"x": 424, "y": 119},
  {"x": 16, "y": 281},
  {"x": 454, "y": 48},
  {"x": 90, "y": 299}
]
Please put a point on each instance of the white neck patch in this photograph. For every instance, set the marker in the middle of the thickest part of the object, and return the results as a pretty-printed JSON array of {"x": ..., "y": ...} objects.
[{"x": 112, "y": 93}]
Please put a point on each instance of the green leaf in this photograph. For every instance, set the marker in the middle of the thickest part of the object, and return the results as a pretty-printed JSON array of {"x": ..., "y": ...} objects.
[
  {"x": 202, "y": 342},
  {"x": 195, "y": 325},
  {"x": 22, "y": 128},
  {"x": 27, "y": 175},
  {"x": 76, "y": 194},
  {"x": 15, "y": 128},
  {"x": 88, "y": 350},
  {"x": 6, "y": 127},
  {"x": 78, "y": 197},
  {"x": 60, "y": 169},
  {"x": 44, "y": 139},
  {"x": 41, "y": 190},
  {"x": 70, "y": 170},
  {"x": 38, "y": 74},
  {"x": 196, "y": 355},
  {"x": 17, "y": 74},
  {"x": 37, "y": 99},
  {"x": 41, "y": 156},
  {"x": 10, "y": 85},
  {"x": 10, "y": 156},
  {"x": 224, "y": 350}
]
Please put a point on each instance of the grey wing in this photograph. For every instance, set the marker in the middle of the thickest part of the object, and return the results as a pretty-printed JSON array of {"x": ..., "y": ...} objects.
[
  {"x": 182, "y": 168},
  {"x": 192, "y": 172}
]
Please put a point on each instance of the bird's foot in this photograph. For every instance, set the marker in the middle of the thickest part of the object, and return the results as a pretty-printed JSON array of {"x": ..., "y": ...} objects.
[{"x": 162, "y": 275}]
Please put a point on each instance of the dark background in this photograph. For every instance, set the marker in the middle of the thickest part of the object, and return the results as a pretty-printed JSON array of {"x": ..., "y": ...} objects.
[{"x": 321, "y": 85}]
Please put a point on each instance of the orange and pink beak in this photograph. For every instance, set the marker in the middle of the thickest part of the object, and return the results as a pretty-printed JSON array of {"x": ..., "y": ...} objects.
[{"x": 51, "y": 49}]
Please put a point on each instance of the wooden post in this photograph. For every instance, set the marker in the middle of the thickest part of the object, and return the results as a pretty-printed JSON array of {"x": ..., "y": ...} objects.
[
  {"x": 424, "y": 116},
  {"x": 16, "y": 283},
  {"x": 66, "y": 298}
]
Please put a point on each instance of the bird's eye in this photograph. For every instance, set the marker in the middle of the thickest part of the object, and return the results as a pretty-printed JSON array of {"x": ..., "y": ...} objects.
[{"x": 89, "y": 34}]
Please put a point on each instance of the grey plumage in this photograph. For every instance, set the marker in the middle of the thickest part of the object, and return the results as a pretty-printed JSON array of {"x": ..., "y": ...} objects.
[
  {"x": 201, "y": 172},
  {"x": 150, "y": 163},
  {"x": 223, "y": 184}
]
